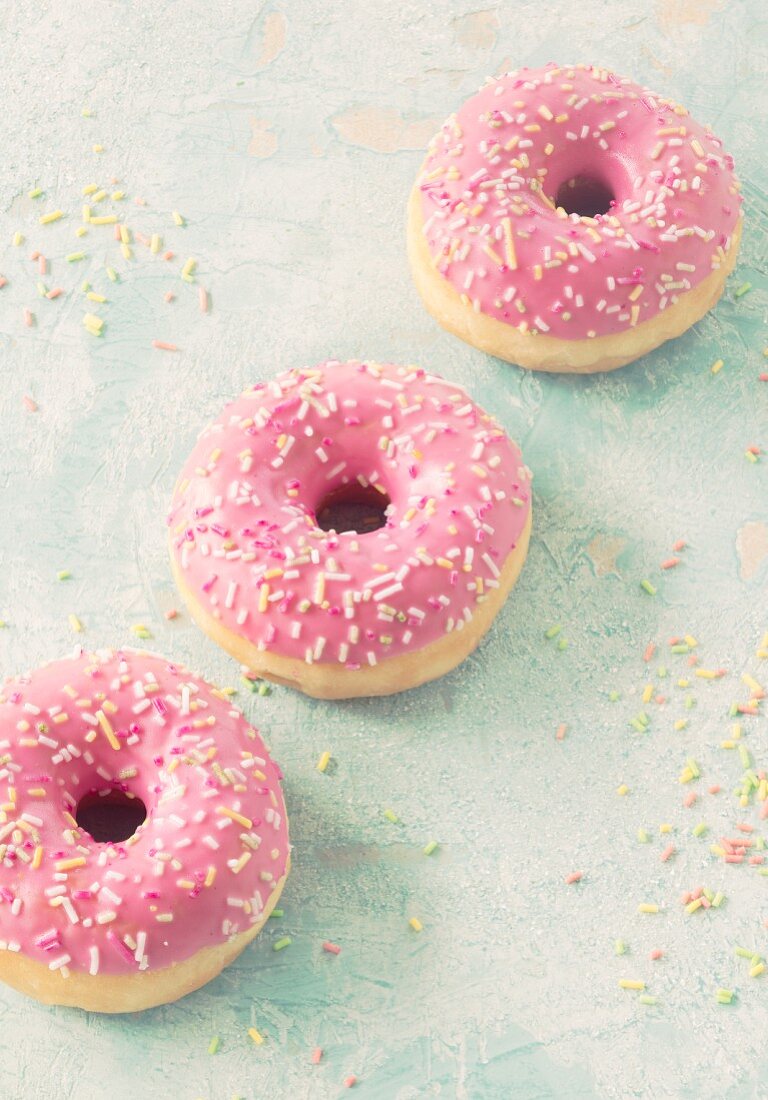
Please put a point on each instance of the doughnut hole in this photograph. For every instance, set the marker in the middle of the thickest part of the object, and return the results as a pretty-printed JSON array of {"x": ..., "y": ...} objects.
[
  {"x": 586, "y": 196},
  {"x": 110, "y": 815},
  {"x": 354, "y": 508}
]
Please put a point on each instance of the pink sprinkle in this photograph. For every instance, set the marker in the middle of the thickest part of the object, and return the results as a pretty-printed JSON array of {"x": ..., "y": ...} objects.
[
  {"x": 670, "y": 563},
  {"x": 650, "y": 649},
  {"x": 317, "y": 1054},
  {"x": 117, "y": 232},
  {"x": 743, "y": 827},
  {"x": 171, "y": 613},
  {"x": 55, "y": 293},
  {"x": 350, "y": 1082},
  {"x": 734, "y": 859},
  {"x": 163, "y": 345},
  {"x": 332, "y": 948},
  {"x": 668, "y": 852},
  {"x": 656, "y": 953},
  {"x": 763, "y": 377},
  {"x": 29, "y": 404},
  {"x": 689, "y": 799},
  {"x": 170, "y": 296},
  {"x": 756, "y": 859},
  {"x": 202, "y": 297},
  {"x": 679, "y": 545},
  {"x": 29, "y": 318},
  {"x": 140, "y": 202},
  {"x": 560, "y": 734},
  {"x": 42, "y": 265},
  {"x": 575, "y": 876},
  {"x": 3, "y": 281}
]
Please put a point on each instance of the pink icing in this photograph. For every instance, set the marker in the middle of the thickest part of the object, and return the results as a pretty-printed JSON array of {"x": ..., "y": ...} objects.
[
  {"x": 244, "y": 529},
  {"x": 494, "y": 232},
  {"x": 192, "y": 875}
]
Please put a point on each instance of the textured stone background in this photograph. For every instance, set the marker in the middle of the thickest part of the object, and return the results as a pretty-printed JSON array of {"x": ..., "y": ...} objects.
[{"x": 288, "y": 134}]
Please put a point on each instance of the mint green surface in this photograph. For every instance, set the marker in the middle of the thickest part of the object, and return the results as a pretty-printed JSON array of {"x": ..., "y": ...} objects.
[{"x": 288, "y": 136}]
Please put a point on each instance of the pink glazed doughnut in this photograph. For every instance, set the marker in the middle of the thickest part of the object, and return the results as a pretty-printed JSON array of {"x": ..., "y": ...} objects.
[
  {"x": 388, "y": 598},
  {"x": 566, "y": 219},
  {"x": 97, "y": 910}
]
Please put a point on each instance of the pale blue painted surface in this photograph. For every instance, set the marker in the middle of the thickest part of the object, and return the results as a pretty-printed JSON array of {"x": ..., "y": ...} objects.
[{"x": 511, "y": 990}]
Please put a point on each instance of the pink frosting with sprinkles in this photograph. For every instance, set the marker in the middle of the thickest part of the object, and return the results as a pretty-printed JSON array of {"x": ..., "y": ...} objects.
[
  {"x": 492, "y": 226},
  {"x": 245, "y": 535},
  {"x": 196, "y": 872}
]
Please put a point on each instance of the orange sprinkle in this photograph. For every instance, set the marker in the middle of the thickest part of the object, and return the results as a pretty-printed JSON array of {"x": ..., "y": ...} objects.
[
  {"x": 170, "y": 296},
  {"x": 317, "y": 1054},
  {"x": 670, "y": 563},
  {"x": 29, "y": 404},
  {"x": 560, "y": 734},
  {"x": 575, "y": 876},
  {"x": 650, "y": 649},
  {"x": 679, "y": 545},
  {"x": 163, "y": 345},
  {"x": 171, "y": 613},
  {"x": 55, "y": 293}
]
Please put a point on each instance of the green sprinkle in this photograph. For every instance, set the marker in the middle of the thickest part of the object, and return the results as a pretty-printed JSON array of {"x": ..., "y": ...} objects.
[
  {"x": 681, "y": 647},
  {"x": 690, "y": 702},
  {"x": 562, "y": 643},
  {"x": 619, "y": 947},
  {"x": 648, "y": 587},
  {"x": 252, "y": 685},
  {"x": 553, "y": 631},
  {"x": 693, "y": 766},
  {"x": 614, "y": 696},
  {"x": 114, "y": 277},
  {"x": 759, "y": 843},
  {"x": 73, "y": 257},
  {"x": 724, "y": 996},
  {"x": 85, "y": 287},
  {"x": 264, "y": 689},
  {"x": 428, "y": 849},
  {"x": 718, "y": 899},
  {"x": 213, "y": 1046},
  {"x": 63, "y": 575},
  {"x": 36, "y": 192},
  {"x": 278, "y": 945},
  {"x": 646, "y": 999},
  {"x": 733, "y": 710},
  {"x": 3, "y": 624},
  {"x": 638, "y": 725},
  {"x": 742, "y": 290},
  {"x": 277, "y": 913},
  {"x": 744, "y": 756},
  {"x": 42, "y": 289},
  {"x": 700, "y": 829},
  {"x": 642, "y": 836},
  {"x": 391, "y": 816},
  {"x": 662, "y": 672}
]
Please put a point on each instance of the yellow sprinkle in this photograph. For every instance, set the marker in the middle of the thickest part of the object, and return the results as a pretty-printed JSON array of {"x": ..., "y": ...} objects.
[
  {"x": 70, "y": 864},
  {"x": 681, "y": 723},
  {"x": 155, "y": 243},
  {"x": 629, "y": 983},
  {"x": 37, "y": 858},
  {"x": 648, "y": 693},
  {"x": 106, "y": 726},
  {"x": 75, "y": 623},
  {"x": 127, "y": 251},
  {"x": 104, "y": 219},
  {"x": 647, "y": 907},
  {"x": 757, "y": 969},
  {"x": 263, "y": 597},
  {"x": 90, "y": 320},
  {"x": 623, "y": 789},
  {"x": 227, "y": 812},
  {"x": 94, "y": 297},
  {"x": 717, "y": 366},
  {"x": 46, "y": 219},
  {"x": 98, "y": 148},
  {"x": 90, "y": 188},
  {"x": 18, "y": 239},
  {"x": 690, "y": 641},
  {"x": 692, "y": 906},
  {"x": 509, "y": 244},
  {"x": 125, "y": 234},
  {"x": 634, "y": 313},
  {"x": 665, "y": 828},
  {"x": 35, "y": 193},
  {"x": 188, "y": 269},
  {"x": 324, "y": 761},
  {"x": 256, "y": 1036},
  {"x": 116, "y": 196},
  {"x": 100, "y": 195},
  {"x": 177, "y": 217},
  {"x": 81, "y": 231},
  {"x": 416, "y": 924}
]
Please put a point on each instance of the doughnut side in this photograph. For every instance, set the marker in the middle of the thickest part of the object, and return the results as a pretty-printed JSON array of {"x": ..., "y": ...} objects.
[
  {"x": 548, "y": 353},
  {"x": 324, "y": 680},
  {"x": 112, "y": 993}
]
